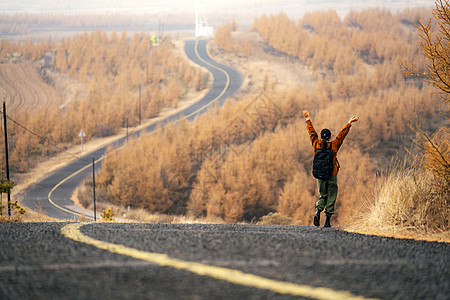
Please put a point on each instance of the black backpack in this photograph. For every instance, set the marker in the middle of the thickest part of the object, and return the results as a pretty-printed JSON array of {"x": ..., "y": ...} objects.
[{"x": 323, "y": 163}]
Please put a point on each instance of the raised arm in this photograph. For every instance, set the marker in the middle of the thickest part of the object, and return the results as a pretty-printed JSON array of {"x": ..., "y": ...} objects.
[
  {"x": 306, "y": 115},
  {"x": 353, "y": 119},
  {"x": 344, "y": 131},
  {"x": 309, "y": 126}
]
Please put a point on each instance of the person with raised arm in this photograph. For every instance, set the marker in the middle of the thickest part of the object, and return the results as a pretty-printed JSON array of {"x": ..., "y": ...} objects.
[{"x": 326, "y": 166}]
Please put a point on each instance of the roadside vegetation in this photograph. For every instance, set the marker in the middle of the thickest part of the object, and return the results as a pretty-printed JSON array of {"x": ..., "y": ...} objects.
[
  {"x": 9, "y": 211},
  {"x": 416, "y": 198}
]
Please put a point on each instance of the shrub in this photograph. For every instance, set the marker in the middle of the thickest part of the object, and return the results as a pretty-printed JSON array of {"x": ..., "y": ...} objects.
[
  {"x": 16, "y": 212},
  {"x": 107, "y": 215},
  {"x": 275, "y": 218},
  {"x": 412, "y": 199}
]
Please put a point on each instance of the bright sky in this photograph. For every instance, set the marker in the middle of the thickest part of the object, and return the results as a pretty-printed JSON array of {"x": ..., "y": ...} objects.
[{"x": 243, "y": 6}]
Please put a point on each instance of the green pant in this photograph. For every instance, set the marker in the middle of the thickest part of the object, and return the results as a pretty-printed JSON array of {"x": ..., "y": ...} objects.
[{"x": 328, "y": 190}]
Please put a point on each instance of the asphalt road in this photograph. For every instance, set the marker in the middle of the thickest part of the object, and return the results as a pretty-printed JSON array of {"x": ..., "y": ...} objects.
[
  {"x": 215, "y": 262},
  {"x": 52, "y": 194}
]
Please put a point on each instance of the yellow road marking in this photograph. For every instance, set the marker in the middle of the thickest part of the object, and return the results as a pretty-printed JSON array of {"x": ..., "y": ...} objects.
[
  {"x": 217, "y": 68},
  {"x": 173, "y": 122},
  {"x": 61, "y": 182},
  {"x": 218, "y": 96},
  {"x": 72, "y": 231}
]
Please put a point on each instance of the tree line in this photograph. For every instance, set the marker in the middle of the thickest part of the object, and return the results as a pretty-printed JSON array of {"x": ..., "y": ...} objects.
[
  {"x": 26, "y": 24},
  {"x": 224, "y": 39},
  {"x": 323, "y": 40}
]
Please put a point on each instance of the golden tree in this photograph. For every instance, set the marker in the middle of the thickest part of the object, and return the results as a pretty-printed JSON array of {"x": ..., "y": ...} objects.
[{"x": 436, "y": 49}]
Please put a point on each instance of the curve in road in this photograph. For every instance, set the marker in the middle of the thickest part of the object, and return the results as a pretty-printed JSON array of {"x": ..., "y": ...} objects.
[{"x": 52, "y": 194}]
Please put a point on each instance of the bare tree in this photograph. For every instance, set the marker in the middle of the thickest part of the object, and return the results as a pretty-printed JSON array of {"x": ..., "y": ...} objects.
[{"x": 436, "y": 49}]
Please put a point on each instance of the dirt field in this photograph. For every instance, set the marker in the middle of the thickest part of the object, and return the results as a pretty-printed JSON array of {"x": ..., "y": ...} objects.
[{"x": 23, "y": 89}]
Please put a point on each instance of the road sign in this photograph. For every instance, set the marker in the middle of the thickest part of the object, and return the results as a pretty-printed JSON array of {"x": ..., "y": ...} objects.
[{"x": 82, "y": 135}]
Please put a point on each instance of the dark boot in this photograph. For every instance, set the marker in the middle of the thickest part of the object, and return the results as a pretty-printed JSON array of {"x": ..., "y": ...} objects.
[
  {"x": 327, "y": 221},
  {"x": 317, "y": 218}
]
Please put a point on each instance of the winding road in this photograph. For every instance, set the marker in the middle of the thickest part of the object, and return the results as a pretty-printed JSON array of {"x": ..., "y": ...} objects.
[{"x": 52, "y": 194}]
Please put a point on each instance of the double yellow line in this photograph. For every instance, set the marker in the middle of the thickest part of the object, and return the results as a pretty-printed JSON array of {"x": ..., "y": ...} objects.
[
  {"x": 49, "y": 197},
  {"x": 173, "y": 122},
  {"x": 214, "y": 67},
  {"x": 72, "y": 231}
]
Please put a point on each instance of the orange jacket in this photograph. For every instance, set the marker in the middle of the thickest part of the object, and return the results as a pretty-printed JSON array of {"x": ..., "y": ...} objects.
[{"x": 335, "y": 144}]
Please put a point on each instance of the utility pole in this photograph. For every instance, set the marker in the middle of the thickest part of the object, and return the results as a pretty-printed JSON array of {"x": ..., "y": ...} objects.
[
  {"x": 127, "y": 130},
  {"x": 139, "y": 104},
  {"x": 93, "y": 186},
  {"x": 7, "y": 156}
]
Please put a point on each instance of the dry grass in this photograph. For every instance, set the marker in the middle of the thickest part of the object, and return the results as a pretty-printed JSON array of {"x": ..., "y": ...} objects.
[
  {"x": 410, "y": 203},
  {"x": 14, "y": 218},
  {"x": 28, "y": 216},
  {"x": 275, "y": 218}
]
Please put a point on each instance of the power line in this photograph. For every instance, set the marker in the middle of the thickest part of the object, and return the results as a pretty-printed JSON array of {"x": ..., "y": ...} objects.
[{"x": 43, "y": 138}]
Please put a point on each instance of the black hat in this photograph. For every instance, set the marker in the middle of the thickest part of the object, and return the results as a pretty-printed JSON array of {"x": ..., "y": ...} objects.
[{"x": 325, "y": 134}]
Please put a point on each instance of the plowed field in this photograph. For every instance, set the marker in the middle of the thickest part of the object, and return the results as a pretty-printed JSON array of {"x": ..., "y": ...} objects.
[{"x": 24, "y": 90}]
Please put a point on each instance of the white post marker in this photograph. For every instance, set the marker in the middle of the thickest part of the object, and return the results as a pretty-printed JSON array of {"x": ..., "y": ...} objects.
[{"x": 82, "y": 135}]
